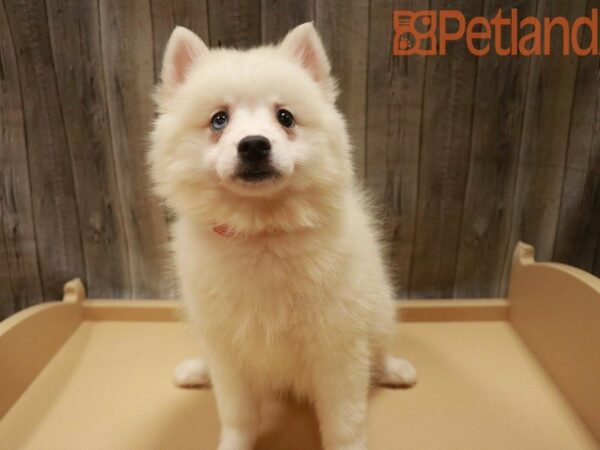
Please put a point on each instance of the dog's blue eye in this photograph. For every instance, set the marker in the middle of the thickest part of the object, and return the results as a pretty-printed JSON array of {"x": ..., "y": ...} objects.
[
  {"x": 219, "y": 120},
  {"x": 285, "y": 118}
]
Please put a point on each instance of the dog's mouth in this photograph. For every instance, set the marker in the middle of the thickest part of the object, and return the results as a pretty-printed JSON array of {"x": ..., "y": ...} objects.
[
  {"x": 256, "y": 174},
  {"x": 256, "y": 180}
]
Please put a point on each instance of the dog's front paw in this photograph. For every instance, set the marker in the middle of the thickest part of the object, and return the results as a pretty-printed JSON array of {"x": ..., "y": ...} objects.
[
  {"x": 397, "y": 372},
  {"x": 360, "y": 444},
  {"x": 232, "y": 439},
  {"x": 192, "y": 373}
]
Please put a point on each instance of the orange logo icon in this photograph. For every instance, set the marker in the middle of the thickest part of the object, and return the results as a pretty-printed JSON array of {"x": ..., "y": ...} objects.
[{"x": 409, "y": 38}]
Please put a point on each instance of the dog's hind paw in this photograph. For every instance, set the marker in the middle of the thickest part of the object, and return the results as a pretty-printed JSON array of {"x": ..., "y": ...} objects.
[
  {"x": 191, "y": 373},
  {"x": 397, "y": 372}
]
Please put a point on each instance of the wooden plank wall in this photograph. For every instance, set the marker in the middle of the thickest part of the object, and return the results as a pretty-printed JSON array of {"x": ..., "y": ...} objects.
[{"x": 465, "y": 155}]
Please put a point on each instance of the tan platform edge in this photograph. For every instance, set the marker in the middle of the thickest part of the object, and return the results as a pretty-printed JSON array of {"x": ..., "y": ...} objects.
[{"x": 516, "y": 373}]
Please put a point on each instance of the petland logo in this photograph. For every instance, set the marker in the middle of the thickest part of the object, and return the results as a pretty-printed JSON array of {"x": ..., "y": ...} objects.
[{"x": 428, "y": 33}]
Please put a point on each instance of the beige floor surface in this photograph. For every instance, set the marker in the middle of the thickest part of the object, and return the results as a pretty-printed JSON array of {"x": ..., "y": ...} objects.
[{"x": 109, "y": 387}]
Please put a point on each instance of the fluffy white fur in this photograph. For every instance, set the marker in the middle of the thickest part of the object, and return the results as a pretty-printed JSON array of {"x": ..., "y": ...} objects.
[{"x": 297, "y": 299}]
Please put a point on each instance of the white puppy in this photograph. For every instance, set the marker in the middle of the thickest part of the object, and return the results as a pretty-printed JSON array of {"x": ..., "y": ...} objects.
[{"x": 280, "y": 267}]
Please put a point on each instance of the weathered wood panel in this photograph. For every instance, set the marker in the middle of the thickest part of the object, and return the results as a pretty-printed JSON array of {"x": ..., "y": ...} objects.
[
  {"x": 344, "y": 26},
  {"x": 393, "y": 142},
  {"x": 128, "y": 58},
  {"x": 544, "y": 141},
  {"x": 465, "y": 155},
  {"x": 83, "y": 104},
  {"x": 578, "y": 233},
  {"x": 275, "y": 25},
  {"x": 443, "y": 167},
  {"x": 166, "y": 14},
  {"x": 496, "y": 133},
  {"x": 57, "y": 228},
  {"x": 234, "y": 23},
  {"x": 20, "y": 283}
]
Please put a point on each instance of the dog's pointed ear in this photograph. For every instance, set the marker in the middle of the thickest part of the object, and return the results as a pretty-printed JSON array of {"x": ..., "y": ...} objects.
[
  {"x": 183, "y": 50},
  {"x": 304, "y": 45}
]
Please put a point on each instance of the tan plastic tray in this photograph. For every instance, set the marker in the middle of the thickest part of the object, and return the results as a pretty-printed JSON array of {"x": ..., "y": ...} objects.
[{"x": 516, "y": 373}]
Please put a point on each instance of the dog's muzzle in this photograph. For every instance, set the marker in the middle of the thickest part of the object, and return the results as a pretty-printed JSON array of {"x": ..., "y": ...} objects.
[{"x": 254, "y": 153}]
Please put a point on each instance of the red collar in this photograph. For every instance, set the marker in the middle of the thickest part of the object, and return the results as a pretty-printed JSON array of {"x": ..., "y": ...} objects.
[
  {"x": 223, "y": 230},
  {"x": 227, "y": 231}
]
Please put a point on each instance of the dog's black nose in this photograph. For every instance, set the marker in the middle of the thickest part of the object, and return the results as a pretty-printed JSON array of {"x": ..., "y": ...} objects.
[{"x": 254, "y": 149}]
